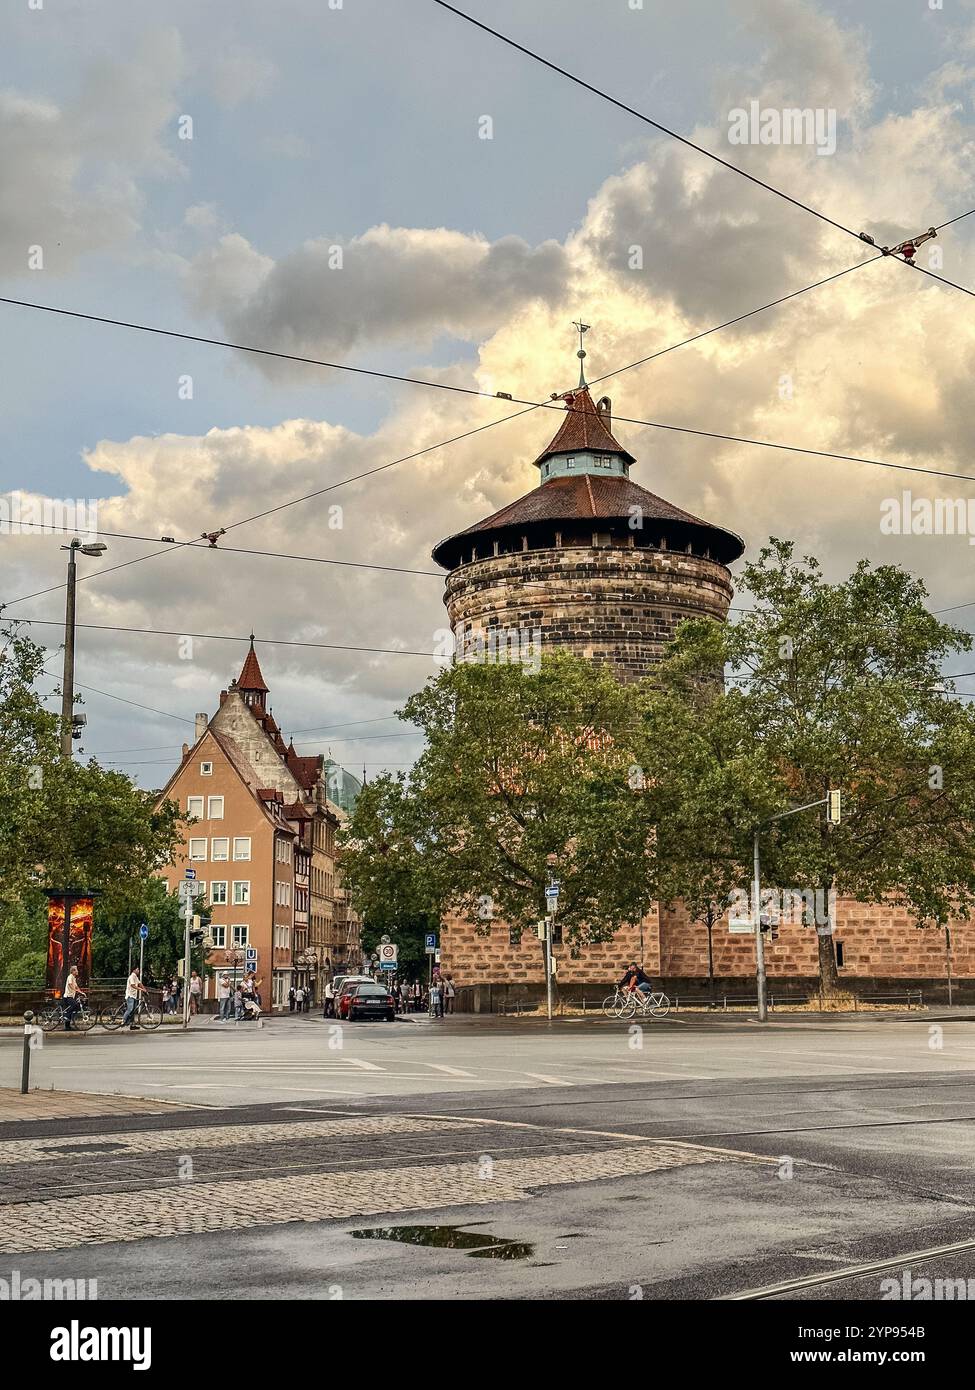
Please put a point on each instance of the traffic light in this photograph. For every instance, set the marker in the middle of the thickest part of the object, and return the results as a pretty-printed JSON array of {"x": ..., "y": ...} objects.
[{"x": 834, "y": 807}]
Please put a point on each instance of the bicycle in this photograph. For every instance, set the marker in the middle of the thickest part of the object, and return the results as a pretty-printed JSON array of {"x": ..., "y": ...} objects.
[
  {"x": 652, "y": 1002},
  {"x": 629, "y": 1004},
  {"x": 617, "y": 1004},
  {"x": 144, "y": 1015},
  {"x": 54, "y": 1016}
]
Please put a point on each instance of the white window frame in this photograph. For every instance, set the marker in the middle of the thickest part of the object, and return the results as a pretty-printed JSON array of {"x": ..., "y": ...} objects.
[
  {"x": 215, "y": 856},
  {"x": 194, "y": 851},
  {"x": 218, "y": 883},
  {"x": 212, "y": 813},
  {"x": 236, "y": 928},
  {"x": 200, "y": 801},
  {"x": 219, "y": 934},
  {"x": 206, "y": 769},
  {"x": 244, "y": 899},
  {"x": 242, "y": 840}
]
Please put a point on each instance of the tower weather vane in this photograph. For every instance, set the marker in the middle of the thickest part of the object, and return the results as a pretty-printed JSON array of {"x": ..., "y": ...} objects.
[{"x": 581, "y": 354}]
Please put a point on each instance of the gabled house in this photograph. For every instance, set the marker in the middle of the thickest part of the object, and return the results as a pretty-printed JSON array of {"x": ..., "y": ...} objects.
[{"x": 262, "y": 842}]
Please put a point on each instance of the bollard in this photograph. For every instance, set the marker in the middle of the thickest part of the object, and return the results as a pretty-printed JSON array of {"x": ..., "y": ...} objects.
[{"x": 28, "y": 1034}]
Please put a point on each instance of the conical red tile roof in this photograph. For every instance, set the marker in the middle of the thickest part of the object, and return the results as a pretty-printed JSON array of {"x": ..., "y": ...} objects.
[
  {"x": 250, "y": 677},
  {"x": 584, "y": 427}
]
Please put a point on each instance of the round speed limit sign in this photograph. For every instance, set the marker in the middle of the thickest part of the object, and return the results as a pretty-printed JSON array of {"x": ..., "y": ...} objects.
[{"x": 388, "y": 953}]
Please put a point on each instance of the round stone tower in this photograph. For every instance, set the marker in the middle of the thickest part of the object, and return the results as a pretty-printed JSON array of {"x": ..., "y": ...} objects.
[{"x": 588, "y": 559}]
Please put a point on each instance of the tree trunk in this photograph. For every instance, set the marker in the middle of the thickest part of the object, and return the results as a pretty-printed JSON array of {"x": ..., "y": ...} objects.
[{"x": 829, "y": 980}]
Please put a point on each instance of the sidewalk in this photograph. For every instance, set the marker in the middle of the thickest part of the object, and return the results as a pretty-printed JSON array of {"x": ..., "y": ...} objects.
[{"x": 60, "y": 1105}]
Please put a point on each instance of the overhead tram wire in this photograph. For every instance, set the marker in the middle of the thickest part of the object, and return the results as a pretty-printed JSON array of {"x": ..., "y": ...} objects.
[
  {"x": 416, "y": 381},
  {"x": 403, "y": 379},
  {"x": 691, "y": 144},
  {"x": 355, "y": 477},
  {"x": 641, "y": 116},
  {"x": 239, "y": 550},
  {"x": 624, "y": 419},
  {"x": 231, "y": 637},
  {"x": 530, "y": 406}
]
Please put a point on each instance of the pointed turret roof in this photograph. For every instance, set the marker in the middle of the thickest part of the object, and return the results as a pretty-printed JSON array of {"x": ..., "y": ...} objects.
[
  {"x": 590, "y": 488},
  {"x": 584, "y": 426},
  {"x": 250, "y": 677}
]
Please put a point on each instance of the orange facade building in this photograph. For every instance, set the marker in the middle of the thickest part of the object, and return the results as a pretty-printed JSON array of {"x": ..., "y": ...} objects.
[{"x": 262, "y": 842}]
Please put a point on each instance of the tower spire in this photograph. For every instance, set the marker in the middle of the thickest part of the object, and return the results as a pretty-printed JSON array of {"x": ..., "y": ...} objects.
[{"x": 581, "y": 354}]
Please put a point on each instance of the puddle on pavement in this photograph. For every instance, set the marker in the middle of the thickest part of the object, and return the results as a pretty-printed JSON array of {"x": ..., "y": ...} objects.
[{"x": 473, "y": 1243}]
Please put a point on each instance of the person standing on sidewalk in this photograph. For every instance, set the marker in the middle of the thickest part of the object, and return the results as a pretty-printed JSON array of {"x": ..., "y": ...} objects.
[
  {"x": 223, "y": 998},
  {"x": 299, "y": 999},
  {"x": 329, "y": 1009},
  {"x": 196, "y": 992},
  {"x": 436, "y": 999},
  {"x": 448, "y": 995},
  {"x": 292, "y": 998}
]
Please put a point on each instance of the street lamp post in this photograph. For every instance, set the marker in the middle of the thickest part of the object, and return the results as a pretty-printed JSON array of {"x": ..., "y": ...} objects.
[{"x": 67, "y": 683}]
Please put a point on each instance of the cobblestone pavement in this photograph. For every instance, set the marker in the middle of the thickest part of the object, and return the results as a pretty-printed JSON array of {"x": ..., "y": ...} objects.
[{"x": 135, "y": 1184}]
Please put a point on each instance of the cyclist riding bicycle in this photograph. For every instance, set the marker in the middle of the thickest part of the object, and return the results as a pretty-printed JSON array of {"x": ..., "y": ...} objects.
[{"x": 635, "y": 979}]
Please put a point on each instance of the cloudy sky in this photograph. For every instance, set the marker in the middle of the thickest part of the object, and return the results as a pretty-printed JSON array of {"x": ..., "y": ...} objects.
[{"x": 316, "y": 125}]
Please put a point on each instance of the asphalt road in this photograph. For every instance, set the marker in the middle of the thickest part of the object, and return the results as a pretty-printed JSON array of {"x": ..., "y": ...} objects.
[
  {"x": 307, "y": 1058},
  {"x": 836, "y": 1155}
]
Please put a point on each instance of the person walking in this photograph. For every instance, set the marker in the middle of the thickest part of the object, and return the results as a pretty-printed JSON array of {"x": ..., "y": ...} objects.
[
  {"x": 72, "y": 998},
  {"x": 166, "y": 996},
  {"x": 329, "y": 1009},
  {"x": 133, "y": 988},
  {"x": 174, "y": 995},
  {"x": 292, "y": 999}
]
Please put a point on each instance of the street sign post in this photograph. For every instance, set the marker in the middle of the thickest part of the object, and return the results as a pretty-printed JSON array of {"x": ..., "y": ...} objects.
[
  {"x": 430, "y": 943},
  {"x": 143, "y": 934},
  {"x": 388, "y": 955},
  {"x": 187, "y": 925},
  {"x": 741, "y": 926}
]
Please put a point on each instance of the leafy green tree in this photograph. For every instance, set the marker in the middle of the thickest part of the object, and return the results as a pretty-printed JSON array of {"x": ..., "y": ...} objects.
[
  {"x": 162, "y": 913},
  {"x": 525, "y": 777},
  {"x": 65, "y": 825},
  {"x": 840, "y": 686},
  {"x": 708, "y": 783}
]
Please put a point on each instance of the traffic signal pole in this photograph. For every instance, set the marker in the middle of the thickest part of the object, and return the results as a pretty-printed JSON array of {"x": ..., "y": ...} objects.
[
  {"x": 832, "y": 800},
  {"x": 759, "y": 938},
  {"x": 188, "y": 916}
]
